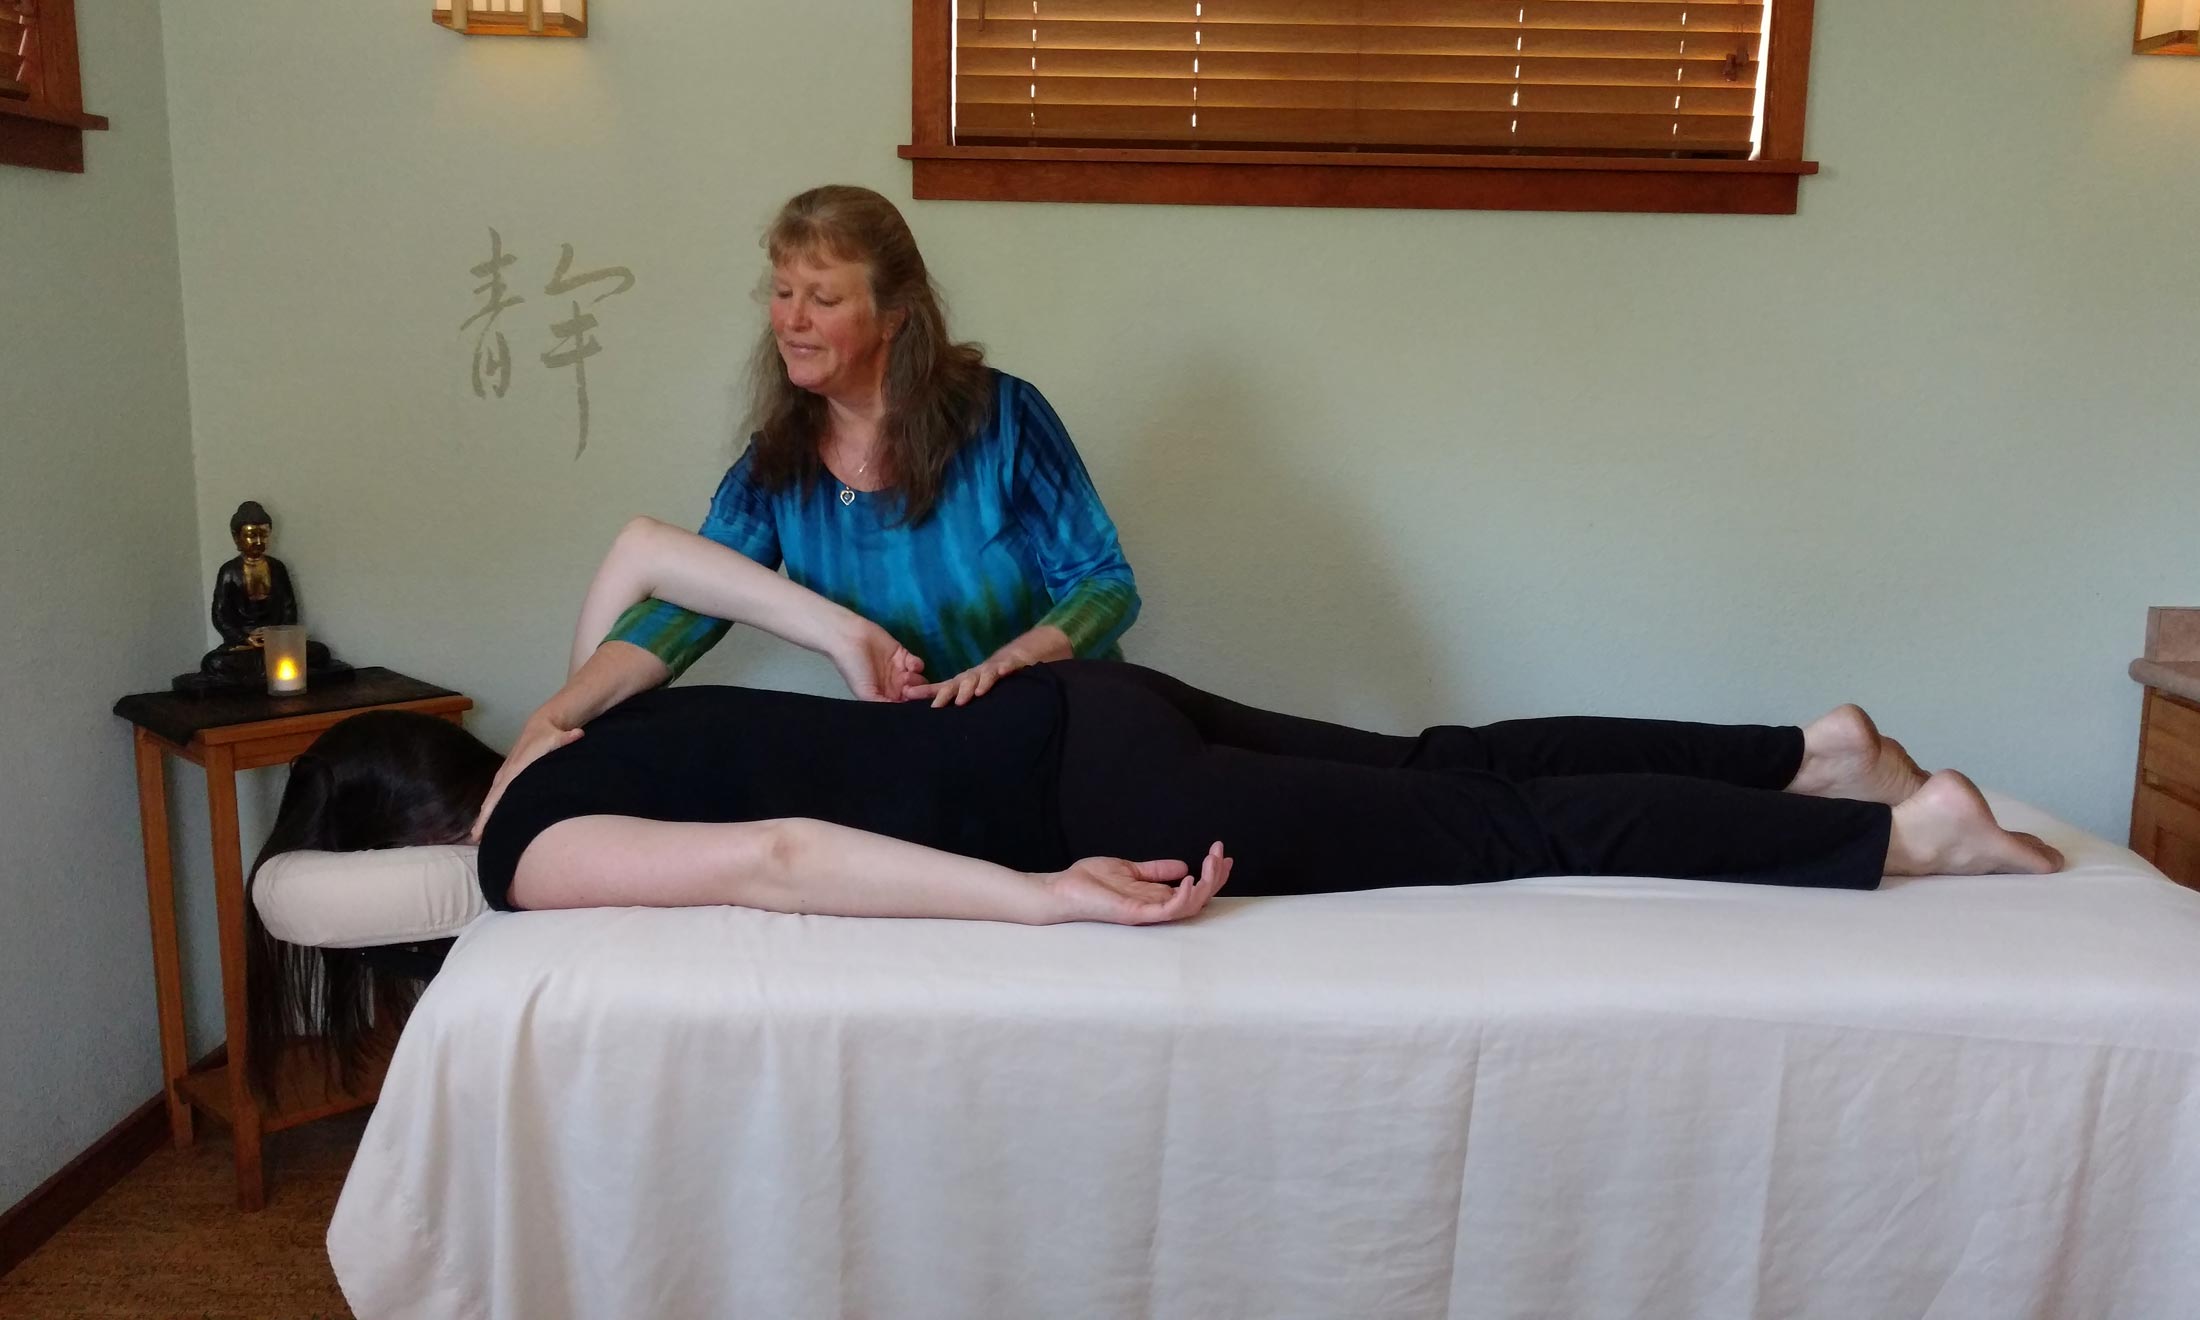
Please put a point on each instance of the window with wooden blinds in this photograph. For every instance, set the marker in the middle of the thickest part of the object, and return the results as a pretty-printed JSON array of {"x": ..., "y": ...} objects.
[
  {"x": 42, "y": 119},
  {"x": 1559, "y": 104},
  {"x": 18, "y": 47},
  {"x": 1410, "y": 75}
]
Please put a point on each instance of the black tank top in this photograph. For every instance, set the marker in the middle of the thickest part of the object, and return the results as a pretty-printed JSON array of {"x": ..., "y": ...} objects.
[{"x": 979, "y": 780}]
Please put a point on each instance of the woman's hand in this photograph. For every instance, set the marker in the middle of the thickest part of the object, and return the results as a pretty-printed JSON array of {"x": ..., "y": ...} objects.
[
  {"x": 873, "y": 665},
  {"x": 971, "y": 683},
  {"x": 1135, "y": 893},
  {"x": 1043, "y": 643},
  {"x": 539, "y": 736}
]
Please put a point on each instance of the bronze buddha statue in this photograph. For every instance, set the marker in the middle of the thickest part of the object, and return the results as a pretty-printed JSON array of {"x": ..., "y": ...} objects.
[{"x": 251, "y": 592}]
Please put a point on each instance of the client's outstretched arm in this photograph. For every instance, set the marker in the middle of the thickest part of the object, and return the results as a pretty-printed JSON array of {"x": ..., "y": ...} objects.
[{"x": 814, "y": 867}]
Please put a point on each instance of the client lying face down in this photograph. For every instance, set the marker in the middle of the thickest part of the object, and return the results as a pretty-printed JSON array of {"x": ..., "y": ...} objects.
[{"x": 1083, "y": 791}]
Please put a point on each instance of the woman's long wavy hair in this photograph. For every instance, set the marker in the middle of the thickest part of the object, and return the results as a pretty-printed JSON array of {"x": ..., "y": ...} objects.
[
  {"x": 937, "y": 391},
  {"x": 381, "y": 779}
]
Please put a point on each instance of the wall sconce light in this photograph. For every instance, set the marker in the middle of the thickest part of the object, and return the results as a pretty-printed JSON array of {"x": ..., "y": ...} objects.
[
  {"x": 514, "y": 18},
  {"x": 2167, "y": 27}
]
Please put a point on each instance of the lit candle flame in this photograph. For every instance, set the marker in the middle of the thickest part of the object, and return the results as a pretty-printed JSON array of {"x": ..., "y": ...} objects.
[{"x": 286, "y": 669}]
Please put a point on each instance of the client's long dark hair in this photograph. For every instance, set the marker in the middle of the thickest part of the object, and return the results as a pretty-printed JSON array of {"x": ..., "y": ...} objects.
[{"x": 381, "y": 779}]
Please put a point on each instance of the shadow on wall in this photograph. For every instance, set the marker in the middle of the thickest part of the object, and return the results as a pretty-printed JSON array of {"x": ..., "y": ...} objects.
[{"x": 1262, "y": 577}]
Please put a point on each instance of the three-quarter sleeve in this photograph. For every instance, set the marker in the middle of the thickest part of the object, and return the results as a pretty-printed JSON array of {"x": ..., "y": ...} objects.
[
  {"x": 740, "y": 519},
  {"x": 1071, "y": 536}
]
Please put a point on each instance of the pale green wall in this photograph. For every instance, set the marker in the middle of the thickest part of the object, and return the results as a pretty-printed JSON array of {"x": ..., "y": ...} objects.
[
  {"x": 1928, "y": 444},
  {"x": 99, "y": 599}
]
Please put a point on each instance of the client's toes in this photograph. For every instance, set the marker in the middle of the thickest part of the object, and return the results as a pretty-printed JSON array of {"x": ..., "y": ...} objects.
[
  {"x": 2047, "y": 859},
  {"x": 1947, "y": 828}
]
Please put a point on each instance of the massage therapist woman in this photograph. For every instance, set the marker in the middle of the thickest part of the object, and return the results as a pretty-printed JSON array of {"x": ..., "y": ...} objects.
[{"x": 891, "y": 470}]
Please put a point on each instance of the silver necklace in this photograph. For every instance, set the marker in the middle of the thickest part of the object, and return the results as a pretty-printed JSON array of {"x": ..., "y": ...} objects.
[{"x": 847, "y": 494}]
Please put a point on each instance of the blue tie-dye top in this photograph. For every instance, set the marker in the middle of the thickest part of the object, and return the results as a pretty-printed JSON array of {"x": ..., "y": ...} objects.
[{"x": 1018, "y": 538}]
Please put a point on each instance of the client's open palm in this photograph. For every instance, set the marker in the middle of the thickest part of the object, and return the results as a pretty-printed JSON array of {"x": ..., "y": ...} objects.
[{"x": 1137, "y": 893}]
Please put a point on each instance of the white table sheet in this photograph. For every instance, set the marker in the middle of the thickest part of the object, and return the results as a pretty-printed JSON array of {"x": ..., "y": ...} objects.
[{"x": 1973, "y": 1098}]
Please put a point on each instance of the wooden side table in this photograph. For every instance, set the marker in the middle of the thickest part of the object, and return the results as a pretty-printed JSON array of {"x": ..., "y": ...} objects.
[
  {"x": 2165, "y": 794},
  {"x": 225, "y": 734}
]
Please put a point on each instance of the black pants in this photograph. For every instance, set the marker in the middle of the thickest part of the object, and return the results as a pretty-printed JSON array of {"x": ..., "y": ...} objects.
[{"x": 1155, "y": 768}]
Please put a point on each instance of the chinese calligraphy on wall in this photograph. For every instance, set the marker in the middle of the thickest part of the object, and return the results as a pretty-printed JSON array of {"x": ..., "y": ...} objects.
[{"x": 572, "y": 342}]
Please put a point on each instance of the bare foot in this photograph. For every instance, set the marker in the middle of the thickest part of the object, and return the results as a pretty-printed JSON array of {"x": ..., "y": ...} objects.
[
  {"x": 1946, "y": 828},
  {"x": 1845, "y": 756}
]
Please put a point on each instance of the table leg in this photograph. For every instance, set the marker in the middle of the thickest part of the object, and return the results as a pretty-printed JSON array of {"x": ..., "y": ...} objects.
[
  {"x": 229, "y": 903},
  {"x": 160, "y": 907}
]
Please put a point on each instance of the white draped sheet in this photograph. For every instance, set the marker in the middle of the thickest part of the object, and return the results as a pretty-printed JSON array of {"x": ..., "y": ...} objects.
[{"x": 1558, "y": 1097}]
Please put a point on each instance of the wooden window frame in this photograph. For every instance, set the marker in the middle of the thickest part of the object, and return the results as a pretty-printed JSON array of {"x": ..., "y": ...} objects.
[
  {"x": 1767, "y": 185},
  {"x": 47, "y": 131}
]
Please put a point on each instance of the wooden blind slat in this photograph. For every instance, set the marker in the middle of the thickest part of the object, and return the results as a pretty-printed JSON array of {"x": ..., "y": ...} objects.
[
  {"x": 1220, "y": 65},
  {"x": 1252, "y": 93},
  {"x": 1592, "y": 75},
  {"x": 1409, "y": 130},
  {"x": 1675, "y": 15},
  {"x": 1284, "y": 124},
  {"x": 1620, "y": 97},
  {"x": 1339, "y": 40},
  {"x": 1496, "y": 129}
]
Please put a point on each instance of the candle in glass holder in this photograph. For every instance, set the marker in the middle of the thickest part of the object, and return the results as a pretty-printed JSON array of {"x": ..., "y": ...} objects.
[{"x": 284, "y": 646}]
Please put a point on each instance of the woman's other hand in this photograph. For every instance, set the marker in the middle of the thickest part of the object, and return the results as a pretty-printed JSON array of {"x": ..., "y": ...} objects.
[
  {"x": 1041, "y": 644},
  {"x": 971, "y": 683},
  {"x": 539, "y": 736},
  {"x": 1136, "y": 893},
  {"x": 875, "y": 666}
]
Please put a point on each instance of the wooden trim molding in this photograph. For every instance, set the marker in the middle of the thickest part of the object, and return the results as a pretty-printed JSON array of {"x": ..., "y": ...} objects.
[
  {"x": 46, "y": 132},
  {"x": 1402, "y": 180},
  {"x": 2168, "y": 43},
  {"x": 1787, "y": 78},
  {"x": 29, "y": 1223},
  {"x": 945, "y": 171}
]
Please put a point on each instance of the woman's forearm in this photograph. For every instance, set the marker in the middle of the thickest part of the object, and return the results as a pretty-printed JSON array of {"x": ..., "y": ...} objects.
[
  {"x": 1092, "y": 615},
  {"x": 651, "y": 558},
  {"x": 622, "y": 580},
  {"x": 609, "y": 675},
  {"x": 615, "y": 672},
  {"x": 1041, "y": 644},
  {"x": 853, "y": 873},
  {"x": 804, "y": 866}
]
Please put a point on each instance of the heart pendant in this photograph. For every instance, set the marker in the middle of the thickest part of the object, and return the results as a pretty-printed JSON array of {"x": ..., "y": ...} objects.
[{"x": 847, "y": 496}]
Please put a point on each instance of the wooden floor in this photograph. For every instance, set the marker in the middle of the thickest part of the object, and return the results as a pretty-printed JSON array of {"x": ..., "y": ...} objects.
[{"x": 168, "y": 1241}]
